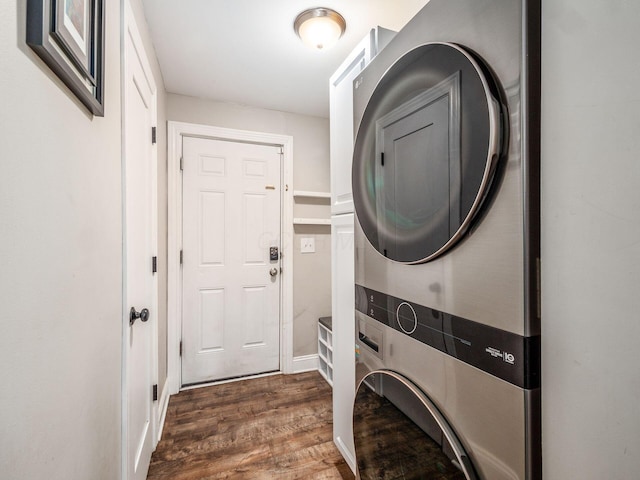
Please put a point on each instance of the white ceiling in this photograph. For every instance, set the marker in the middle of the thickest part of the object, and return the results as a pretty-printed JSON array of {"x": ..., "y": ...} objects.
[{"x": 246, "y": 52}]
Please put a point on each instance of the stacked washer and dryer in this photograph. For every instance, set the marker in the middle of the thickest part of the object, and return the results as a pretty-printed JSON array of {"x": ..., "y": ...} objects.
[{"x": 446, "y": 193}]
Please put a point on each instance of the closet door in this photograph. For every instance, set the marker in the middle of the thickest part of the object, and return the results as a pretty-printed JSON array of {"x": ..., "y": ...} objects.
[
  {"x": 342, "y": 247},
  {"x": 343, "y": 315}
]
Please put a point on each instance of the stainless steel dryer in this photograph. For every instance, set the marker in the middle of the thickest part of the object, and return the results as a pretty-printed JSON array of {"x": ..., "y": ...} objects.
[{"x": 446, "y": 193}]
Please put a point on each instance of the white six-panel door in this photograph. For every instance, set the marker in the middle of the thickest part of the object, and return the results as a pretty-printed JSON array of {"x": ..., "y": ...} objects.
[
  {"x": 139, "y": 350},
  {"x": 231, "y": 286}
]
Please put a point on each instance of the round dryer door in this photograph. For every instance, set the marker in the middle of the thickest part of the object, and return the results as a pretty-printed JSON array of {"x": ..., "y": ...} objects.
[
  {"x": 426, "y": 152},
  {"x": 399, "y": 433}
]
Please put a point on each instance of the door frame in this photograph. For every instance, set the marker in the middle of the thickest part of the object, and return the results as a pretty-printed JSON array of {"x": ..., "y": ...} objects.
[
  {"x": 176, "y": 131},
  {"x": 130, "y": 27}
]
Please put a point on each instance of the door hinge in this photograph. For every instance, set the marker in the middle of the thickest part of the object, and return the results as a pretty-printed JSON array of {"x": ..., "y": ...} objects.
[
  {"x": 382, "y": 158},
  {"x": 180, "y": 352},
  {"x": 153, "y": 135},
  {"x": 281, "y": 152},
  {"x": 538, "y": 289},
  {"x": 181, "y": 257},
  {"x": 154, "y": 264},
  {"x": 155, "y": 393},
  {"x": 181, "y": 163}
]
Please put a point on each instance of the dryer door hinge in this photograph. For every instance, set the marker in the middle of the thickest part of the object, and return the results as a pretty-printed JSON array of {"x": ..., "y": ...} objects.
[
  {"x": 155, "y": 393},
  {"x": 154, "y": 264},
  {"x": 153, "y": 135}
]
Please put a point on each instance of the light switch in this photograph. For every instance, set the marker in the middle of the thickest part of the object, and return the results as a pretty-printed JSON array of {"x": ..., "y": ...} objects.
[{"x": 307, "y": 245}]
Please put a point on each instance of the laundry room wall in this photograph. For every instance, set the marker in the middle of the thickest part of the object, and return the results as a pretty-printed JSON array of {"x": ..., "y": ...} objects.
[
  {"x": 590, "y": 239},
  {"x": 312, "y": 272},
  {"x": 61, "y": 265}
]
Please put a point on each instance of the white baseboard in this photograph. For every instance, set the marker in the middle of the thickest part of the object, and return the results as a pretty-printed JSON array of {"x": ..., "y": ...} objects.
[{"x": 305, "y": 363}]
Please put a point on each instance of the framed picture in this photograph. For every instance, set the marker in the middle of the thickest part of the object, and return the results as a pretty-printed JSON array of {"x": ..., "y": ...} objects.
[{"x": 69, "y": 36}]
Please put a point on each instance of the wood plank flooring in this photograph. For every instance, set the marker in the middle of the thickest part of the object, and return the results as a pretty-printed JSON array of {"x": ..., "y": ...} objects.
[{"x": 277, "y": 427}]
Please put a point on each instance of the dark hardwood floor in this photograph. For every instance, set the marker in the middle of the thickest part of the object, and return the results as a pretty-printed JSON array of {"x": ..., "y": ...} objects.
[{"x": 272, "y": 427}]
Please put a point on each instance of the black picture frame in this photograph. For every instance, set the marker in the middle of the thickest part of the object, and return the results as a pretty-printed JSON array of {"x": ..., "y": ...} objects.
[{"x": 68, "y": 35}]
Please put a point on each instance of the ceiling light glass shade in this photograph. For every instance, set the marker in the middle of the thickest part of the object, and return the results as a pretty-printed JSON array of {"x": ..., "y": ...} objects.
[{"x": 319, "y": 28}]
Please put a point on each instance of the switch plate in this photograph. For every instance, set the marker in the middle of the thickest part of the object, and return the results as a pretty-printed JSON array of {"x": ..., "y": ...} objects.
[{"x": 307, "y": 245}]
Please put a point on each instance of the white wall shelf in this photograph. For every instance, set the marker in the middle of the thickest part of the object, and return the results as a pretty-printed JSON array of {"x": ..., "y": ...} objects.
[
  {"x": 311, "y": 221},
  {"x": 308, "y": 194},
  {"x": 309, "y": 197}
]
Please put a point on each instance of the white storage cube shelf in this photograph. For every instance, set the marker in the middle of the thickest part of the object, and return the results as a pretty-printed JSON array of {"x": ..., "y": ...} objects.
[{"x": 325, "y": 349}]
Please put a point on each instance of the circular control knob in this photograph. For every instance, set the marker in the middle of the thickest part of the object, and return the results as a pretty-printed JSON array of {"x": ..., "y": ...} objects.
[{"x": 406, "y": 318}]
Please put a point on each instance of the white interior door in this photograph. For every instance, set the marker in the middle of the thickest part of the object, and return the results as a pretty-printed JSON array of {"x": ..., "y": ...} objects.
[
  {"x": 140, "y": 247},
  {"x": 231, "y": 284}
]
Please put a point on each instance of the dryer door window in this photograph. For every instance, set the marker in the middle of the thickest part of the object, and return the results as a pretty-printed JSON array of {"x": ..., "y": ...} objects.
[
  {"x": 419, "y": 142},
  {"x": 426, "y": 152},
  {"x": 399, "y": 433}
]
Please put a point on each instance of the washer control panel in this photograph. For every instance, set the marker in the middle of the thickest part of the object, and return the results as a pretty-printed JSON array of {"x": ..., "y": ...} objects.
[{"x": 506, "y": 355}]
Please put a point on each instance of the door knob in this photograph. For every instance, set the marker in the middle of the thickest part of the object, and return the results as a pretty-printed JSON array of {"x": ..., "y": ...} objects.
[
  {"x": 273, "y": 272},
  {"x": 143, "y": 315}
]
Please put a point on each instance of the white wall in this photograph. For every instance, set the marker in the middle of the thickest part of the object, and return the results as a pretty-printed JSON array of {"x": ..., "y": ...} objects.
[
  {"x": 312, "y": 272},
  {"x": 60, "y": 266},
  {"x": 591, "y": 239}
]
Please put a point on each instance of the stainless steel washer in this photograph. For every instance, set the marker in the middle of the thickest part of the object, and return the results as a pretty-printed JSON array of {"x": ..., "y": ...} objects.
[
  {"x": 446, "y": 192},
  {"x": 401, "y": 434}
]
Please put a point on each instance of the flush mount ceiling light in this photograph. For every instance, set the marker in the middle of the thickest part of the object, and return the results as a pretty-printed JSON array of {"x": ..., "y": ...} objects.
[{"x": 319, "y": 27}]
